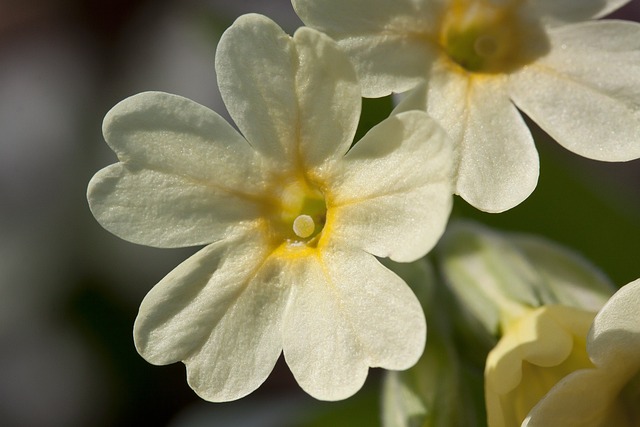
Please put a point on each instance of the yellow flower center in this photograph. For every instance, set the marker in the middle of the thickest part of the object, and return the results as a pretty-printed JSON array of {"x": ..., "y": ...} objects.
[
  {"x": 490, "y": 36},
  {"x": 303, "y": 213}
]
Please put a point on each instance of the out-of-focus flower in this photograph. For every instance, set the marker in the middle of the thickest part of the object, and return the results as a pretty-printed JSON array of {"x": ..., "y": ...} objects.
[
  {"x": 534, "y": 353},
  {"x": 606, "y": 393},
  {"x": 295, "y": 218},
  {"x": 472, "y": 62}
]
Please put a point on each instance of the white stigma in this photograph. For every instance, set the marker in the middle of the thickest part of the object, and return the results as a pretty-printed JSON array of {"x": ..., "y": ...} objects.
[{"x": 304, "y": 226}]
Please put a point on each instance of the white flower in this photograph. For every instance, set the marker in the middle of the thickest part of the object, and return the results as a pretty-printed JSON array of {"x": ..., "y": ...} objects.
[
  {"x": 607, "y": 394},
  {"x": 292, "y": 216},
  {"x": 579, "y": 81}
]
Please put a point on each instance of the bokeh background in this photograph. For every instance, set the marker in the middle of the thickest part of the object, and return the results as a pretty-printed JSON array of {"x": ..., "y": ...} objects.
[{"x": 69, "y": 290}]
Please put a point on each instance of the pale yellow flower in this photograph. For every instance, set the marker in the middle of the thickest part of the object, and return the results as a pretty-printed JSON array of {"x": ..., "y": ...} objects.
[
  {"x": 292, "y": 216},
  {"x": 607, "y": 395},
  {"x": 535, "y": 352},
  {"x": 482, "y": 60},
  {"x": 562, "y": 366}
]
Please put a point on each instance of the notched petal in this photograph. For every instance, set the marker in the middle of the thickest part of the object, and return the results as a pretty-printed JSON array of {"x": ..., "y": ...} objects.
[
  {"x": 219, "y": 312},
  {"x": 348, "y": 313}
]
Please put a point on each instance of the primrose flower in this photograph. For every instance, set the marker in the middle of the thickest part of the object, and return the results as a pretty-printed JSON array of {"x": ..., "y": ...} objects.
[
  {"x": 607, "y": 394},
  {"x": 559, "y": 365},
  {"x": 292, "y": 217},
  {"x": 473, "y": 63},
  {"x": 534, "y": 353}
]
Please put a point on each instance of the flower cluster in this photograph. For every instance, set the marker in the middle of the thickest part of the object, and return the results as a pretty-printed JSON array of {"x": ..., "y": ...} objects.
[{"x": 294, "y": 216}]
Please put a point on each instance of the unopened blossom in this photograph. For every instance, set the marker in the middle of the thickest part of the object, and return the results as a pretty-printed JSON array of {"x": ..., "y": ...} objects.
[
  {"x": 472, "y": 64},
  {"x": 292, "y": 218},
  {"x": 607, "y": 394},
  {"x": 563, "y": 366},
  {"x": 536, "y": 350}
]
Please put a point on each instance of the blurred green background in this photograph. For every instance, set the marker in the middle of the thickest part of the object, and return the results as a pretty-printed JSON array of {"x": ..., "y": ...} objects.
[{"x": 69, "y": 290}]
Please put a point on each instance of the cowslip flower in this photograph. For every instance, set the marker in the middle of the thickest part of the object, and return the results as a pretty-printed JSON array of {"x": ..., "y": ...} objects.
[
  {"x": 292, "y": 216},
  {"x": 482, "y": 60},
  {"x": 559, "y": 365}
]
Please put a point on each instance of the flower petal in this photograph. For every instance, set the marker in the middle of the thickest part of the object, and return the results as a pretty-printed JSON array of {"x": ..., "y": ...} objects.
[
  {"x": 295, "y": 99},
  {"x": 547, "y": 337},
  {"x": 615, "y": 334},
  {"x": 388, "y": 62},
  {"x": 172, "y": 134},
  {"x": 586, "y": 92},
  {"x": 363, "y": 16},
  {"x": 498, "y": 161},
  {"x": 385, "y": 40},
  {"x": 329, "y": 98},
  {"x": 537, "y": 339},
  {"x": 219, "y": 312},
  {"x": 581, "y": 399},
  {"x": 164, "y": 210},
  {"x": 557, "y": 12},
  {"x": 186, "y": 177},
  {"x": 347, "y": 313},
  {"x": 392, "y": 193}
]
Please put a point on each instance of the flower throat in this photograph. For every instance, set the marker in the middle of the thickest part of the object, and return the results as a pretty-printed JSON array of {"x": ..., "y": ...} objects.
[{"x": 490, "y": 36}]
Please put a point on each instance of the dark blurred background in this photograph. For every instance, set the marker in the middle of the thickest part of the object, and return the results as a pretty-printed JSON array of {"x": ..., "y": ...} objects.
[{"x": 69, "y": 290}]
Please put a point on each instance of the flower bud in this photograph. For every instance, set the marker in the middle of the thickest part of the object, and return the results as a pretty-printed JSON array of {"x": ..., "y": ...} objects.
[{"x": 498, "y": 277}]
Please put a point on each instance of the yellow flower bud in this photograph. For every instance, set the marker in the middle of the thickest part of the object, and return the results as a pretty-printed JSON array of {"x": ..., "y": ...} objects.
[{"x": 535, "y": 352}]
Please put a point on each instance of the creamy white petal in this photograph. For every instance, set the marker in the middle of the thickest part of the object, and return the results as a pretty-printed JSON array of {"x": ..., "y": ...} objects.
[
  {"x": 389, "y": 62},
  {"x": 586, "y": 92},
  {"x": 495, "y": 157},
  {"x": 557, "y": 12},
  {"x": 392, "y": 193},
  {"x": 498, "y": 162},
  {"x": 185, "y": 178},
  {"x": 166, "y": 210},
  {"x": 615, "y": 334},
  {"x": 347, "y": 313},
  {"x": 443, "y": 98},
  {"x": 329, "y": 100},
  {"x": 296, "y": 100},
  {"x": 220, "y": 313},
  {"x": 171, "y": 134},
  {"x": 336, "y": 17},
  {"x": 255, "y": 66},
  {"x": 387, "y": 41}
]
